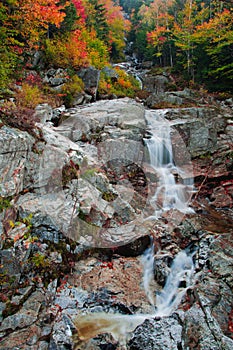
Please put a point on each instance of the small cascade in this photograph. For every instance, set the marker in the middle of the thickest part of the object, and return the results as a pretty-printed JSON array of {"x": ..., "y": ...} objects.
[
  {"x": 181, "y": 278},
  {"x": 148, "y": 275},
  {"x": 177, "y": 283},
  {"x": 175, "y": 186}
]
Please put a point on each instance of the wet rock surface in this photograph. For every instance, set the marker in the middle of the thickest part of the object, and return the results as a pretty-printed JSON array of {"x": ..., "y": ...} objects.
[{"x": 51, "y": 274}]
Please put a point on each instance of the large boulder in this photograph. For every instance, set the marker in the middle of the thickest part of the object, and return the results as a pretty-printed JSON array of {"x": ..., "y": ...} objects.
[
  {"x": 163, "y": 334},
  {"x": 90, "y": 76},
  {"x": 155, "y": 83},
  {"x": 164, "y": 98}
]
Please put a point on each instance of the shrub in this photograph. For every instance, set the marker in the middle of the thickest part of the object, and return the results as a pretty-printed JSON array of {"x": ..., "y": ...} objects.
[
  {"x": 40, "y": 261},
  {"x": 77, "y": 49},
  {"x": 19, "y": 117},
  {"x": 71, "y": 89},
  {"x": 122, "y": 85},
  {"x": 4, "y": 203},
  {"x": 8, "y": 62},
  {"x": 32, "y": 92},
  {"x": 29, "y": 96}
]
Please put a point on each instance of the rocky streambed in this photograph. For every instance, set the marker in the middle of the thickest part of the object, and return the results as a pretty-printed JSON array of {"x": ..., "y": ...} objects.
[{"x": 74, "y": 204}]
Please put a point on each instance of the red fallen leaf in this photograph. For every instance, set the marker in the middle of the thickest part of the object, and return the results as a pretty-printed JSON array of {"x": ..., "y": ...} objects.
[
  {"x": 73, "y": 165},
  {"x": 186, "y": 307},
  {"x": 59, "y": 308},
  {"x": 17, "y": 237},
  {"x": 110, "y": 265},
  {"x": 27, "y": 244},
  {"x": 230, "y": 326}
]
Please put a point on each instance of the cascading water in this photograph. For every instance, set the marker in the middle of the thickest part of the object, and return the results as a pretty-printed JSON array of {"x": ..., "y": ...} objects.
[
  {"x": 181, "y": 278},
  {"x": 148, "y": 266},
  {"x": 170, "y": 192}
]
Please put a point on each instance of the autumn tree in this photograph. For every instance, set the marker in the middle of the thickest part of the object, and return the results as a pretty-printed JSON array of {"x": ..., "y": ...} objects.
[
  {"x": 81, "y": 45},
  {"x": 216, "y": 38},
  {"x": 161, "y": 36},
  {"x": 118, "y": 27},
  {"x": 96, "y": 18},
  {"x": 138, "y": 34},
  {"x": 194, "y": 37},
  {"x": 196, "y": 34},
  {"x": 183, "y": 32},
  {"x": 23, "y": 25},
  {"x": 33, "y": 17}
]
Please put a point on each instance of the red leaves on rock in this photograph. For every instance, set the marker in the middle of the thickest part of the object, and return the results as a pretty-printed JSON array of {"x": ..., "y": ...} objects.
[{"x": 108, "y": 264}]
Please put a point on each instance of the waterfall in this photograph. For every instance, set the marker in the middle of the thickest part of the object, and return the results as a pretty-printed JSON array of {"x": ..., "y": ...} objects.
[
  {"x": 174, "y": 185},
  {"x": 172, "y": 191}
]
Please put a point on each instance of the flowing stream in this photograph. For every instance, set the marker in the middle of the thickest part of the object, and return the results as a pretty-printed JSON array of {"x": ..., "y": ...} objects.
[
  {"x": 175, "y": 184},
  {"x": 173, "y": 191}
]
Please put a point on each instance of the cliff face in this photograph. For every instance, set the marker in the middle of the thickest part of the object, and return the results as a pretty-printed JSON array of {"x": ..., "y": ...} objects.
[{"x": 73, "y": 209}]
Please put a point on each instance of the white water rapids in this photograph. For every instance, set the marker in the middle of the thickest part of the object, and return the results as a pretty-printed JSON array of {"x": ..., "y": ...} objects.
[{"x": 169, "y": 194}]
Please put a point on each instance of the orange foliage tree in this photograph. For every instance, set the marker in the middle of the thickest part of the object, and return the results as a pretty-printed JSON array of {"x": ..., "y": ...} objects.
[
  {"x": 33, "y": 18},
  {"x": 81, "y": 46}
]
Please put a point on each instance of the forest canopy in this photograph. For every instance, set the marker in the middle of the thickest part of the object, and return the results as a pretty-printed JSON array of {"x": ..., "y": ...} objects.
[{"x": 193, "y": 37}]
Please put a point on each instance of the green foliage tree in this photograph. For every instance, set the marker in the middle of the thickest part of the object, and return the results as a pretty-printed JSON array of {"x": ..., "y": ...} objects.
[
  {"x": 70, "y": 19},
  {"x": 216, "y": 38},
  {"x": 133, "y": 5},
  {"x": 96, "y": 18},
  {"x": 8, "y": 46}
]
